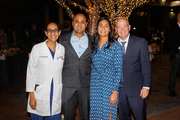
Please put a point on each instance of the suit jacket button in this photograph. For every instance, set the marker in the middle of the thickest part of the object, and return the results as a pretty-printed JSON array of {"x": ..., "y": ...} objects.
[
  {"x": 78, "y": 77},
  {"x": 79, "y": 59}
]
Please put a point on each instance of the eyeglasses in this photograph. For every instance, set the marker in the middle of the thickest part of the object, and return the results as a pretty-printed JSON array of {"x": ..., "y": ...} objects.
[{"x": 51, "y": 31}]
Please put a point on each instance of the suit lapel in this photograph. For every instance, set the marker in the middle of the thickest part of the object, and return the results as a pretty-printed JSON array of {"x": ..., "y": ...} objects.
[
  {"x": 178, "y": 28},
  {"x": 129, "y": 47}
]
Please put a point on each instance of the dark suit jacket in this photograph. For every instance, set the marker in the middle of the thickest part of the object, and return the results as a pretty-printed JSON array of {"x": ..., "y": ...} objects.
[
  {"x": 75, "y": 68},
  {"x": 174, "y": 38},
  {"x": 136, "y": 66}
]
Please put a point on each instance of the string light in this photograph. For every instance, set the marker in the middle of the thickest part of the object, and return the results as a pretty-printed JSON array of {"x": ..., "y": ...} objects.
[{"x": 113, "y": 9}]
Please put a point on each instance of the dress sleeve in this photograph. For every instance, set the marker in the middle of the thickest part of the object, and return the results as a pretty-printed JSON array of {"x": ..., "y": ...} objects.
[{"x": 117, "y": 66}]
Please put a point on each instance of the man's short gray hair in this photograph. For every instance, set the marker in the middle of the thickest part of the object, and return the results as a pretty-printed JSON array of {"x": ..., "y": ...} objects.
[{"x": 119, "y": 19}]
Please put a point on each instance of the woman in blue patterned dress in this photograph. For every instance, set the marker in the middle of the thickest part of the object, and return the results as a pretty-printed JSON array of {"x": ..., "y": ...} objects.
[{"x": 106, "y": 72}]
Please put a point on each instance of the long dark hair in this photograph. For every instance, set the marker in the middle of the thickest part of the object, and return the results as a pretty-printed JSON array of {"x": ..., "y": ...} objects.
[{"x": 96, "y": 36}]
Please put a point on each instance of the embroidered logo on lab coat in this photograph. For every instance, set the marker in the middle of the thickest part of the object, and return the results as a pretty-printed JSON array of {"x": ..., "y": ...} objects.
[
  {"x": 60, "y": 57},
  {"x": 43, "y": 56}
]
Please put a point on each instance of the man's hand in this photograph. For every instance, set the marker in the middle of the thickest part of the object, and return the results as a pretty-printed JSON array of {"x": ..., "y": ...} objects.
[
  {"x": 144, "y": 92},
  {"x": 113, "y": 98}
]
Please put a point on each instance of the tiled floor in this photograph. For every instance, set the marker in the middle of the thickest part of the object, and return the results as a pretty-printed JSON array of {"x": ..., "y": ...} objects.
[
  {"x": 160, "y": 105},
  {"x": 13, "y": 101}
]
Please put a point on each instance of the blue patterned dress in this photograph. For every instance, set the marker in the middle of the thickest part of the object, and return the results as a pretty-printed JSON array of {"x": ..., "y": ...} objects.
[{"x": 105, "y": 78}]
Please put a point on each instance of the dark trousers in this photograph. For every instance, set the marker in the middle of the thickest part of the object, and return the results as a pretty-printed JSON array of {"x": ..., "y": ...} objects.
[
  {"x": 174, "y": 71},
  {"x": 70, "y": 96},
  {"x": 135, "y": 104}
]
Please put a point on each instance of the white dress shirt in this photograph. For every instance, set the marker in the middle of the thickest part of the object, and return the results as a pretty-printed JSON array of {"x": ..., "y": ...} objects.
[
  {"x": 126, "y": 40},
  {"x": 178, "y": 24}
]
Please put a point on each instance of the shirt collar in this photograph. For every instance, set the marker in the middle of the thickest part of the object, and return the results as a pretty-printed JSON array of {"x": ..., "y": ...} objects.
[
  {"x": 126, "y": 40},
  {"x": 178, "y": 24},
  {"x": 73, "y": 35}
]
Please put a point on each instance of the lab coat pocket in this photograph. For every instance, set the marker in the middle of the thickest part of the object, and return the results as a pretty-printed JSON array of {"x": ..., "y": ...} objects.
[
  {"x": 57, "y": 93},
  {"x": 41, "y": 107},
  {"x": 39, "y": 93}
]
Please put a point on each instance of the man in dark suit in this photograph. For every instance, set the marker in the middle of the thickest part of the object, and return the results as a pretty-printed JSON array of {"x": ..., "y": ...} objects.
[
  {"x": 174, "y": 45},
  {"x": 76, "y": 70},
  {"x": 136, "y": 73}
]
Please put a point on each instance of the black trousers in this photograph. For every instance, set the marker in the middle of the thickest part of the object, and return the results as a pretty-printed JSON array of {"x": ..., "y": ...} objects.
[
  {"x": 70, "y": 96},
  {"x": 174, "y": 71}
]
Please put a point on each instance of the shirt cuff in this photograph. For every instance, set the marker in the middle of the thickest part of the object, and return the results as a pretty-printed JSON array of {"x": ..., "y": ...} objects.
[{"x": 147, "y": 87}]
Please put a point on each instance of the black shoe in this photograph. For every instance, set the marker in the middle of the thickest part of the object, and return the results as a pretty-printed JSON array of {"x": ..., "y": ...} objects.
[{"x": 173, "y": 94}]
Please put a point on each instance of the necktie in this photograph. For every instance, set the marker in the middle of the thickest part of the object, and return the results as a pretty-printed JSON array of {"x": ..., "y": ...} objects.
[
  {"x": 123, "y": 48},
  {"x": 123, "y": 51}
]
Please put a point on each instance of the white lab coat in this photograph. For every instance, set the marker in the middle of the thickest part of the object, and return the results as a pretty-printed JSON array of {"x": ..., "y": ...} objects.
[{"x": 41, "y": 70}]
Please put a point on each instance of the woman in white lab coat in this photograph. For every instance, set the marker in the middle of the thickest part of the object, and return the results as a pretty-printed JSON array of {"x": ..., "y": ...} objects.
[{"x": 44, "y": 77}]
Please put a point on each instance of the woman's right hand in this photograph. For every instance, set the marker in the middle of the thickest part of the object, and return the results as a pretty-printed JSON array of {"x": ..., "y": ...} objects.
[
  {"x": 32, "y": 101},
  {"x": 113, "y": 98}
]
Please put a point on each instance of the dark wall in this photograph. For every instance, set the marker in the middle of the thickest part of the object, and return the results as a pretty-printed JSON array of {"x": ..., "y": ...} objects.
[{"x": 16, "y": 15}]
